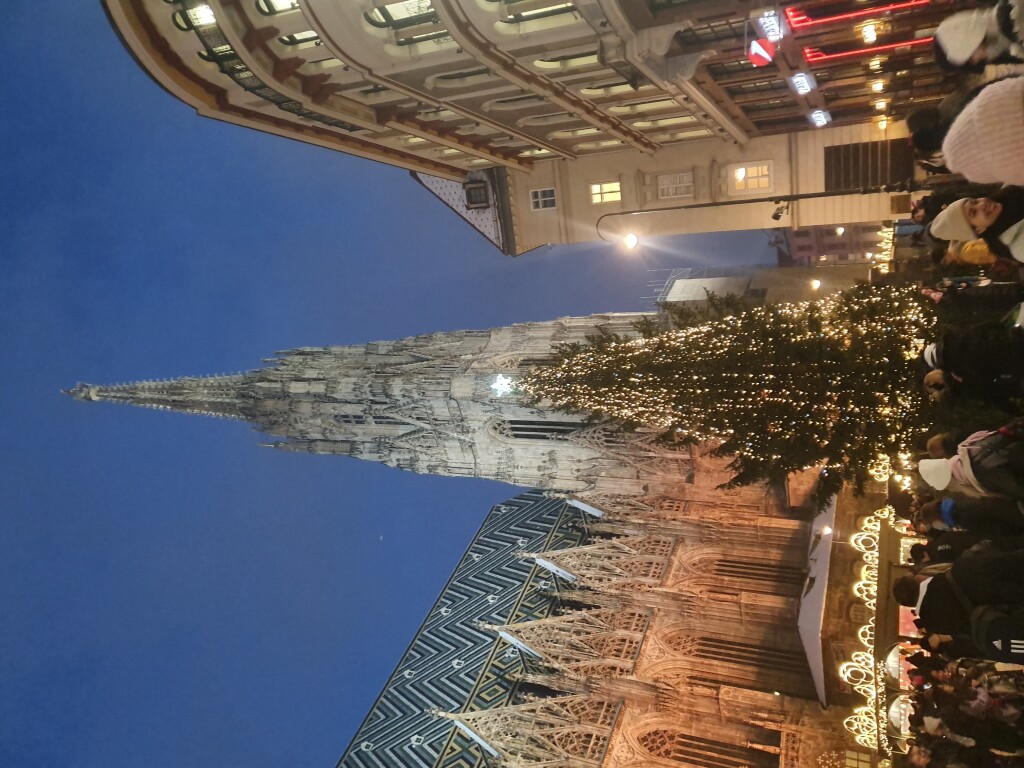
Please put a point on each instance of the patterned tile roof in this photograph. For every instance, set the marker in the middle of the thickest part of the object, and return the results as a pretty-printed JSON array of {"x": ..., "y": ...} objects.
[{"x": 451, "y": 664}]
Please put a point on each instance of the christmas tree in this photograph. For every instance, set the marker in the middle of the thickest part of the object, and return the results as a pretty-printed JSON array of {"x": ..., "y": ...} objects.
[{"x": 780, "y": 388}]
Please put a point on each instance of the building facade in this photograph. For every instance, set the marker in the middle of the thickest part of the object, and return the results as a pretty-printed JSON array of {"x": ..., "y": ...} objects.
[
  {"x": 532, "y": 119},
  {"x": 659, "y": 631}
]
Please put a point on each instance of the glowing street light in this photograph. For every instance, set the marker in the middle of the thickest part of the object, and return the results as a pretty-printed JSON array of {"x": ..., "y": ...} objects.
[
  {"x": 815, "y": 285},
  {"x": 631, "y": 240}
]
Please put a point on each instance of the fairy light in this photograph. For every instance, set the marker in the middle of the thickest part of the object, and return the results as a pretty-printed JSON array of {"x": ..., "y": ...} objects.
[
  {"x": 781, "y": 387},
  {"x": 861, "y": 671}
]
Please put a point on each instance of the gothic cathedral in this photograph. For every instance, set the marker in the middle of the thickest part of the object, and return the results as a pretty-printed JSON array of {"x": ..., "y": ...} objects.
[{"x": 628, "y": 612}]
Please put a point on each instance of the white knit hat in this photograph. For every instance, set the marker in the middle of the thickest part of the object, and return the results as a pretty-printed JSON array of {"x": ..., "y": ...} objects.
[
  {"x": 960, "y": 35},
  {"x": 951, "y": 223},
  {"x": 984, "y": 142},
  {"x": 935, "y": 472}
]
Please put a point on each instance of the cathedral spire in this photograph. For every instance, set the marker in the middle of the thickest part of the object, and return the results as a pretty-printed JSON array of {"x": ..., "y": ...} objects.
[
  {"x": 224, "y": 396},
  {"x": 443, "y": 403}
]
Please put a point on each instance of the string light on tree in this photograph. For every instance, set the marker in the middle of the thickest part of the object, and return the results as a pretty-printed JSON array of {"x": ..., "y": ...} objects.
[{"x": 781, "y": 387}]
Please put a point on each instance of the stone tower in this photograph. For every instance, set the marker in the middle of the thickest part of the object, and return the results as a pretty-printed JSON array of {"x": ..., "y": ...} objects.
[{"x": 442, "y": 403}]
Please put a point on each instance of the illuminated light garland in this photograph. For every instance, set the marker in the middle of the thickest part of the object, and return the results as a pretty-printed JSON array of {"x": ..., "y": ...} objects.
[{"x": 862, "y": 672}]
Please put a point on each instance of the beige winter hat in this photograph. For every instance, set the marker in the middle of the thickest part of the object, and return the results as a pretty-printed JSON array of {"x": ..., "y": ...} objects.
[
  {"x": 951, "y": 223},
  {"x": 936, "y": 472}
]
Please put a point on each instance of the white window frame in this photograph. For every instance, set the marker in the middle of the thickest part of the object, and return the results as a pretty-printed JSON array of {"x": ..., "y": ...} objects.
[
  {"x": 675, "y": 185},
  {"x": 602, "y": 192},
  {"x": 538, "y": 199},
  {"x": 742, "y": 187}
]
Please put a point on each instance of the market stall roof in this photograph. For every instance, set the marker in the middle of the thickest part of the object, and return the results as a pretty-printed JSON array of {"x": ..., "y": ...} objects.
[{"x": 812, "y": 602}]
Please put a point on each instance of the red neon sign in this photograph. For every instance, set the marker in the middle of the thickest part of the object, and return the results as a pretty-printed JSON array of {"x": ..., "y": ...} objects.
[
  {"x": 798, "y": 19},
  {"x": 814, "y": 55}
]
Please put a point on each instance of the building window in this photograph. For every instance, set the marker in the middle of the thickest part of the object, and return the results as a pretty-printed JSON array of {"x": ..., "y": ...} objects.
[
  {"x": 675, "y": 185},
  {"x": 605, "y": 192},
  {"x": 868, "y": 164},
  {"x": 516, "y": 17},
  {"x": 301, "y": 37},
  {"x": 750, "y": 178},
  {"x": 403, "y": 14},
  {"x": 525, "y": 429},
  {"x": 476, "y": 195},
  {"x": 856, "y": 760},
  {"x": 691, "y": 750},
  {"x": 270, "y": 7},
  {"x": 542, "y": 199}
]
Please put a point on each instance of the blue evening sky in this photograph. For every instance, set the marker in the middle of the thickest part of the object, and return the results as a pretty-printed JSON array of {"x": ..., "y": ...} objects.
[{"x": 173, "y": 594}]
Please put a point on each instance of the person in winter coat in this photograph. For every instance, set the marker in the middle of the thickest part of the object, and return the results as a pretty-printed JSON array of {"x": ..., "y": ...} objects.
[
  {"x": 980, "y": 362},
  {"x": 998, "y": 219},
  {"x": 926, "y": 208},
  {"x": 985, "y": 579},
  {"x": 986, "y": 463},
  {"x": 969, "y": 40},
  {"x": 993, "y": 518},
  {"x": 977, "y": 133}
]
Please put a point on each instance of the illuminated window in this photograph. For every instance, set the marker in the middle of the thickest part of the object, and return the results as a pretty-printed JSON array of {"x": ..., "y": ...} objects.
[
  {"x": 556, "y": 9},
  {"x": 605, "y": 192},
  {"x": 542, "y": 199},
  {"x": 675, "y": 185},
  {"x": 402, "y": 14},
  {"x": 750, "y": 179},
  {"x": 856, "y": 760},
  {"x": 301, "y": 37},
  {"x": 200, "y": 16},
  {"x": 270, "y": 7}
]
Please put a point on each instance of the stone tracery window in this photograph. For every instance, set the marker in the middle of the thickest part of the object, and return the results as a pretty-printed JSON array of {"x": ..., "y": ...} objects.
[
  {"x": 700, "y": 752},
  {"x": 528, "y": 429}
]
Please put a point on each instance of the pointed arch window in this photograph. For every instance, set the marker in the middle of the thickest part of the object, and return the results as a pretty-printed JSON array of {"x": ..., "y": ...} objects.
[
  {"x": 700, "y": 752},
  {"x": 527, "y": 429},
  {"x": 768, "y": 574}
]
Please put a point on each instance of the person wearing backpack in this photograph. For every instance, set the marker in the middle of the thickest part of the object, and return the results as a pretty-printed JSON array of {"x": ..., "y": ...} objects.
[{"x": 976, "y": 606}]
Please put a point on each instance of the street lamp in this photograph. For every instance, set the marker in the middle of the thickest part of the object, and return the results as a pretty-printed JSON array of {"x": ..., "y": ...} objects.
[{"x": 629, "y": 240}]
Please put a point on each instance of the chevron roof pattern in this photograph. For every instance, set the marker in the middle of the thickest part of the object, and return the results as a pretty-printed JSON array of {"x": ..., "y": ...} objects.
[{"x": 451, "y": 664}]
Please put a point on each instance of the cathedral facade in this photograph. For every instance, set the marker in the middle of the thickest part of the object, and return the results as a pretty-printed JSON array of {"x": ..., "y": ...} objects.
[
  {"x": 659, "y": 631},
  {"x": 628, "y": 612}
]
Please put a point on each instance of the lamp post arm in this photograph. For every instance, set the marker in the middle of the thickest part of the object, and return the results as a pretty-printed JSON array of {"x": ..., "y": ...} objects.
[{"x": 903, "y": 186}]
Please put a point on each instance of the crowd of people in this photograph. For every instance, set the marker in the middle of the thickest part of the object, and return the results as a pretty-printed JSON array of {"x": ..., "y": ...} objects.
[
  {"x": 966, "y": 584},
  {"x": 966, "y": 587},
  {"x": 975, "y": 132}
]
